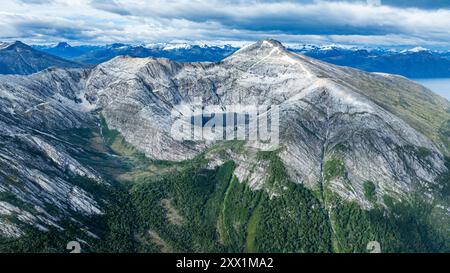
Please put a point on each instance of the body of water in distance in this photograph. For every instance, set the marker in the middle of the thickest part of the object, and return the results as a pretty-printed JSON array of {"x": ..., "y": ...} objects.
[{"x": 440, "y": 86}]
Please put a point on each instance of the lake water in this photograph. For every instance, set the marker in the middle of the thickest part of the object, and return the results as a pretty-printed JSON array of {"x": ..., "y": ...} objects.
[{"x": 439, "y": 86}]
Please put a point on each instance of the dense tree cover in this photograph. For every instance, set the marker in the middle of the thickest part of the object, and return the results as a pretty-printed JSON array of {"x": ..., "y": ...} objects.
[
  {"x": 291, "y": 218},
  {"x": 403, "y": 228},
  {"x": 196, "y": 195},
  {"x": 333, "y": 168},
  {"x": 444, "y": 182},
  {"x": 293, "y": 222},
  {"x": 223, "y": 214},
  {"x": 444, "y": 134},
  {"x": 370, "y": 191}
]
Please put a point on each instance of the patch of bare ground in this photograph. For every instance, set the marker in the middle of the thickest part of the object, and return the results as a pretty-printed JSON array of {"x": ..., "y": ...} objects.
[
  {"x": 172, "y": 214},
  {"x": 165, "y": 248}
]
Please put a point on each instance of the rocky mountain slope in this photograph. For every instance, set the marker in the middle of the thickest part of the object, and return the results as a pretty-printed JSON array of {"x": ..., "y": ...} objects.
[
  {"x": 354, "y": 146},
  {"x": 19, "y": 58},
  {"x": 325, "y": 107}
]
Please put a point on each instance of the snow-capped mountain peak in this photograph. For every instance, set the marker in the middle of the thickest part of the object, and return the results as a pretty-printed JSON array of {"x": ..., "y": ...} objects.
[
  {"x": 417, "y": 49},
  {"x": 177, "y": 46}
]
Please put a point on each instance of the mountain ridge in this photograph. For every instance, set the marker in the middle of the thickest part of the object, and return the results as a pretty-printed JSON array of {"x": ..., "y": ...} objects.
[{"x": 19, "y": 58}]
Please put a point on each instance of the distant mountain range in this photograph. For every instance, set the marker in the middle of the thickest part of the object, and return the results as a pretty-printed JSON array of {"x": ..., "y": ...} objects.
[
  {"x": 177, "y": 52},
  {"x": 414, "y": 63},
  {"x": 19, "y": 58}
]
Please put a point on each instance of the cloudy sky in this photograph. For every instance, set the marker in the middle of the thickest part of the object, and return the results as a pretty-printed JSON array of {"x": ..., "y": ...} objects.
[{"x": 358, "y": 22}]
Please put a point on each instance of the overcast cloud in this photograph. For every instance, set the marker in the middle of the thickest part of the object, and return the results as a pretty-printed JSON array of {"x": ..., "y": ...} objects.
[{"x": 371, "y": 22}]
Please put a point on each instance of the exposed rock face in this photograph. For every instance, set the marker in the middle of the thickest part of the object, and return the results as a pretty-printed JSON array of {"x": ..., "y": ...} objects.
[
  {"x": 331, "y": 118},
  {"x": 36, "y": 167}
]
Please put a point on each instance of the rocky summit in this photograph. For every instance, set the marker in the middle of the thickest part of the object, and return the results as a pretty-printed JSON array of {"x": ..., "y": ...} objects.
[{"x": 85, "y": 152}]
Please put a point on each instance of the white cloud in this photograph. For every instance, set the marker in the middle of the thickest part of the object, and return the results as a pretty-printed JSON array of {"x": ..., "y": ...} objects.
[{"x": 363, "y": 22}]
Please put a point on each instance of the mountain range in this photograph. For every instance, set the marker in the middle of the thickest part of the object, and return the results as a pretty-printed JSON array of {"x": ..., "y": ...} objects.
[
  {"x": 178, "y": 52},
  {"x": 413, "y": 63},
  {"x": 86, "y": 154}
]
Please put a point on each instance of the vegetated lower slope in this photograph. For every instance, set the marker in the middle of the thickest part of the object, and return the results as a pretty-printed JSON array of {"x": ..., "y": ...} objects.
[
  {"x": 80, "y": 160},
  {"x": 189, "y": 207}
]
